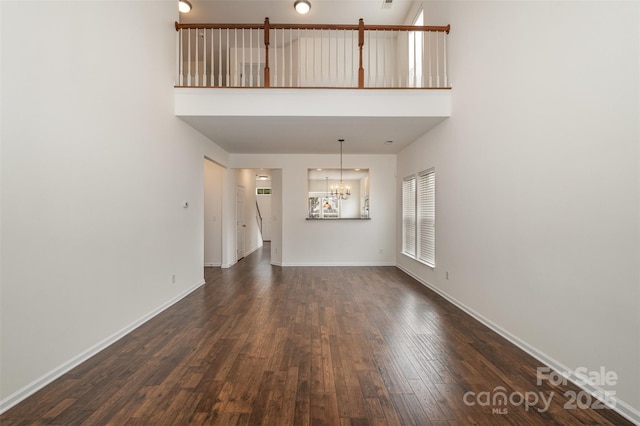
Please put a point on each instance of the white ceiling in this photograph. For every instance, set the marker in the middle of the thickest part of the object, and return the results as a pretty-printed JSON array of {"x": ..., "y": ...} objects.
[
  {"x": 307, "y": 135},
  {"x": 312, "y": 135},
  {"x": 282, "y": 12}
]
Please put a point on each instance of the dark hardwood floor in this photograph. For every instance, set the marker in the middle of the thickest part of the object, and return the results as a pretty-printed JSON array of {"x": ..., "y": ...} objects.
[{"x": 306, "y": 345}]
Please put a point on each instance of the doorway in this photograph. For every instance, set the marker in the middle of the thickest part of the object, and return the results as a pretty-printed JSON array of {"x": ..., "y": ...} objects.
[
  {"x": 241, "y": 224},
  {"x": 213, "y": 178}
]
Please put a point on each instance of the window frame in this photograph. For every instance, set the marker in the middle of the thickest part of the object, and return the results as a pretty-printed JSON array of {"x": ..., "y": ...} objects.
[
  {"x": 421, "y": 209},
  {"x": 263, "y": 190}
]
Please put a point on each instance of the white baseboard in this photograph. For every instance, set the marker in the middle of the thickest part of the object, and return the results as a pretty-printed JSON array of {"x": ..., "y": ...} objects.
[
  {"x": 621, "y": 407},
  {"x": 339, "y": 264},
  {"x": 49, "y": 377},
  {"x": 212, "y": 265}
]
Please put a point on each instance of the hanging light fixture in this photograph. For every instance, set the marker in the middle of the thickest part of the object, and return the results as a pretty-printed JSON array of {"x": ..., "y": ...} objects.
[
  {"x": 326, "y": 204},
  {"x": 340, "y": 191},
  {"x": 302, "y": 6},
  {"x": 184, "y": 6}
]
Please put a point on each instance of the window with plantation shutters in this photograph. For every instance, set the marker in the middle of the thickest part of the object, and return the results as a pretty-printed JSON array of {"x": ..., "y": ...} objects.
[
  {"x": 426, "y": 217},
  {"x": 409, "y": 216},
  {"x": 419, "y": 217}
]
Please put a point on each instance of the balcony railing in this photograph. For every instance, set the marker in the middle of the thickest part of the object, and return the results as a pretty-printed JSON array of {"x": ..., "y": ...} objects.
[{"x": 288, "y": 55}]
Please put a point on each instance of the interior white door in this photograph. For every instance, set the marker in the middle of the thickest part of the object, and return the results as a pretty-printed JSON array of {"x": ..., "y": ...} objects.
[{"x": 241, "y": 225}]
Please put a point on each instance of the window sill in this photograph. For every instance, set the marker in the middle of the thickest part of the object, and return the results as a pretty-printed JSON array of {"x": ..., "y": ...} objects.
[{"x": 412, "y": 257}]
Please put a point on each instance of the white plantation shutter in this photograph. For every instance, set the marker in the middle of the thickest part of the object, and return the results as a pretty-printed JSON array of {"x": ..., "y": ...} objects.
[
  {"x": 409, "y": 216},
  {"x": 426, "y": 217}
]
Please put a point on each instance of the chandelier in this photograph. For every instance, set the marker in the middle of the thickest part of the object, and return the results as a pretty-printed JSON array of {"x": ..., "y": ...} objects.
[{"x": 340, "y": 191}]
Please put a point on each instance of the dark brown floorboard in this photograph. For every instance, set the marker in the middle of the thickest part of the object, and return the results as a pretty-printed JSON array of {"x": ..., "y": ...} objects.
[{"x": 260, "y": 344}]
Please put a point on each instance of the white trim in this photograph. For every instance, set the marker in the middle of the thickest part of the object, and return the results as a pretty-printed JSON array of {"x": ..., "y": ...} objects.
[
  {"x": 52, "y": 375},
  {"x": 212, "y": 265},
  {"x": 338, "y": 264},
  {"x": 621, "y": 407}
]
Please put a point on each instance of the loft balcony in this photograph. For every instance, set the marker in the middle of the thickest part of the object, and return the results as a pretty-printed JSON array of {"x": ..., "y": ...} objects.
[{"x": 390, "y": 79}]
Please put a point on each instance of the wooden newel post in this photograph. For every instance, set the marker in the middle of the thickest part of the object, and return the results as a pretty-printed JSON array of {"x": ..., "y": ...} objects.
[
  {"x": 267, "y": 76},
  {"x": 360, "y": 44}
]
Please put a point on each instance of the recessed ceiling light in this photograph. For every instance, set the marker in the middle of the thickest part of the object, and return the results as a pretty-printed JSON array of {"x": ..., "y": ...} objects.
[
  {"x": 319, "y": 170},
  {"x": 302, "y": 6},
  {"x": 184, "y": 6},
  {"x": 357, "y": 170}
]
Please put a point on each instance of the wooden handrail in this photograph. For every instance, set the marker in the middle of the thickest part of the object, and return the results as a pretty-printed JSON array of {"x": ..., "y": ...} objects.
[
  {"x": 443, "y": 29},
  {"x": 180, "y": 26}
]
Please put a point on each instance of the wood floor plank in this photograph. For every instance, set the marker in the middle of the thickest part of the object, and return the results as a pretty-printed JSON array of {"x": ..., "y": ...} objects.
[{"x": 266, "y": 345}]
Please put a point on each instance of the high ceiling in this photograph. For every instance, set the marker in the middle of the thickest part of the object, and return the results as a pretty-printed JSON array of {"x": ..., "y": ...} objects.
[{"x": 282, "y": 11}]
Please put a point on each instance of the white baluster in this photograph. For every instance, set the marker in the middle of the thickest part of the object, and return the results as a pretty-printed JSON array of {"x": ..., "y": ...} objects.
[
  {"x": 204, "y": 56},
  {"x": 284, "y": 66},
  {"x": 299, "y": 60},
  {"x": 189, "y": 61},
  {"x": 251, "y": 58},
  {"x": 344, "y": 57},
  {"x": 275, "y": 57},
  {"x": 330, "y": 78},
  {"x": 235, "y": 44},
  {"x": 430, "y": 64},
  {"x": 444, "y": 62},
  {"x": 422, "y": 75},
  {"x": 219, "y": 57},
  {"x": 197, "y": 75},
  {"x": 416, "y": 76},
  {"x": 290, "y": 57},
  {"x": 321, "y": 57},
  {"x": 242, "y": 68},
  {"x": 384, "y": 59},
  {"x": 437, "y": 61},
  {"x": 375, "y": 83},
  {"x": 353, "y": 58},
  {"x": 227, "y": 58},
  {"x": 213, "y": 62},
  {"x": 180, "y": 59},
  {"x": 260, "y": 69},
  {"x": 368, "y": 59}
]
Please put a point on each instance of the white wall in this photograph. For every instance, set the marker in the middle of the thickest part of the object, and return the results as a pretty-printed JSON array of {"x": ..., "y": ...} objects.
[
  {"x": 213, "y": 174},
  {"x": 95, "y": 169},
  {"x": 276, "y": 217},
  {"x": 350, "y": 242},
  {"x": 537, "y": 178}
]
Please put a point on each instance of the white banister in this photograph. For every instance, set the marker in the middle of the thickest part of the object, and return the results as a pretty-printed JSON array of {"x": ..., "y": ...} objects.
[{"x": 311, "y": 56}]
